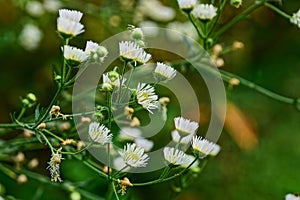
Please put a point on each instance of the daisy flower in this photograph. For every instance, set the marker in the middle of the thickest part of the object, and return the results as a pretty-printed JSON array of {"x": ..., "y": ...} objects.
[
  {"x": 202, "y": 147},
  {"x": 73, "y": 55},
  {"x": 130, "y": 51},
  {"x": 292, "y": 197},
  {"x": 164, "y": 72},
  {"x": 134, "y": 156},
  {"x": 146, "y": 96},
  {"x": 186, "y": 5},
  {"x": 205, "y": 11},
  {"x": 99, "y": 133},
  {"x": 175, "y": 156},
  {"x": 68, "y": 23},
  {"x": 185, "y": 126}
]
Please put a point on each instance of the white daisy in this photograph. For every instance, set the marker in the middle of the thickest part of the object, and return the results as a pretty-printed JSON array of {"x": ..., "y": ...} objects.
[
  {"x": 295, "y": 19},
  {"x": 164, "y": 72},
  {"x": 186, "y": 5},
  {"x": 175, "y": 156},
  {"x": 91, "y": 47},
  {"x": 146, "y": 96},
  {"x": 292, "y": 197},
  {"x": 132, "y": 52},
  {"x": 205, "y": 11},
  {"x": 147, "y": 145},
  {"x": 185, "y": 126},
  {"x": 74, "y": 55},
  {"x": 68, "y": 23},
  {"x": 134, "y": 156},
  {"x": 203, "y": 147},
  {"x": 99, "y": 133}
]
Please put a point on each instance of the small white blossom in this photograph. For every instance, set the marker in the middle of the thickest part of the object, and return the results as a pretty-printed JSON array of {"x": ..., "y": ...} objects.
[
  {"x": 203, "y": 147},
  {"x": 132, "y": 52},
  {"x": 146, "y": 96},
  {"x": 175, "y": 156},
  {"x": 99, "y": 133},
  {"x": 52, "y": 5},
  {"x": 134, "y": 156},
  {"x": 53, "y": 167},
  {"x": 186, "y": 4},
  {"x": 119, "y": 164},
  {"x": 155, "y": 10},
  {"x": 91, "y": 47},
  {"x": 114, "y": 81},
  {"x": 164, "y": 72},
  {"x": 74, "y": 54},
  {"x": 68, "y": 22},
  {"x": 185, "y": 126},
  {"x": 292, "y": 197},
  {"x": 30, "y": 37},
  {"x": 205, "y": 11},
  {"x": 34, "y": 8},
  {"x": 295, "y": 19},
  {"x": 147, "y": 145}
]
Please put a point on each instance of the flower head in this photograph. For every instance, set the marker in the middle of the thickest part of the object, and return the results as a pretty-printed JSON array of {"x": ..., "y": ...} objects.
[
  {"x": 68, "y": 24},
  {"x": 186, "y": 5},
  {"x": 292, "y": 197},
  {"x": 74, "y": 56},
  {"x": 146, "y": 96},
  {"x": 130, "y": 51},
  {"x": 295, "y": 19},
  {"x": 164, "y": 72},
  {"x": 99, "y": 133},
  {"x": 134, "y": 156},
  {"x": 112, "y": 80},
  {"x": 185, "y": 126},
  {"x": 203, "y": 147},
  {"x": 175, "y": 156},
  {"x": 53, "y": 166},
  {"x": 205, "y": 11},
  {"x": 144, "y": 143}
]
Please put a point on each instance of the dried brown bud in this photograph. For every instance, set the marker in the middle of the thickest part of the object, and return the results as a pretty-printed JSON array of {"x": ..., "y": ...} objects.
[{"x": 41, "y": 126}]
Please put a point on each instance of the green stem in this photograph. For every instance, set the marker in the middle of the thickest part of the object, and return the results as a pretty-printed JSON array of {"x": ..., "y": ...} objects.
[
  {"x": 10, "y": 126},
  {"x": 227, "y": 76},
  {"x": 171, "y": 177},
  {"x": 238, "y": 18},
  {"x": 46, "y": 113},
  {"x": 47, "y": 141},
  {"x": 217, "y": 18},
  {"x": 53, "y": 135},
  {"x": 121, "y": 80},
  {"x": 280, "y": 12},
  {"x": 115, "y": 191},
  {"x": 198, "y": 29},
  {"x": 64, "y": 62},
  {"x": 23, "y": 110}
]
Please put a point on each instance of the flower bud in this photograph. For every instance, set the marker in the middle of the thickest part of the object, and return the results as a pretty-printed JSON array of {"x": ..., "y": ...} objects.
[
  {"x": 137, "y": 34},
  {"x": 236, "y": 3},
  {"x": 31, "y": 97}
]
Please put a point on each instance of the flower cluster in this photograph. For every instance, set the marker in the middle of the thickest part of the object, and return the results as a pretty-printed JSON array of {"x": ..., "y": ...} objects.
[{"x": 53, "y": 167}]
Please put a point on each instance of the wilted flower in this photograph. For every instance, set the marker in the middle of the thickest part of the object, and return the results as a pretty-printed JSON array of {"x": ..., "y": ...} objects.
[
  {"x": 164, "y": 72},
  {"x": 99, "y": 133},
  {"x": 205, "y": 11},
  {"x": 53, "y": 166},
  {"x": 175, "y": 156},
  {"x": 134, "y": 156},
  {"x": 146, "y": 96}
]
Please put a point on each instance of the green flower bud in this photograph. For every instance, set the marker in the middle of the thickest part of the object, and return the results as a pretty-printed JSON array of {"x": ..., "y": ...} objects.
[
  {"x": 137, "y": 34},
  {"x": 141, "y": 43},
  {"x": 31, "y": 97},
  {"x": 57, "y": 77},
  {"x": 102, "y": 51},
  {"x": 107, "y": 87},
  {"x": 25, "y": 102},
  {"x": 75, "y": 196},
  {"x": 236, "y": 3},
  {"x": 113, "y": 75}
]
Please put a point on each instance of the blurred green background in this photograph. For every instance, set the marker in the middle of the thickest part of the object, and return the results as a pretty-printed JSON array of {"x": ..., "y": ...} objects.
[{"x": 267, "y": 170}]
